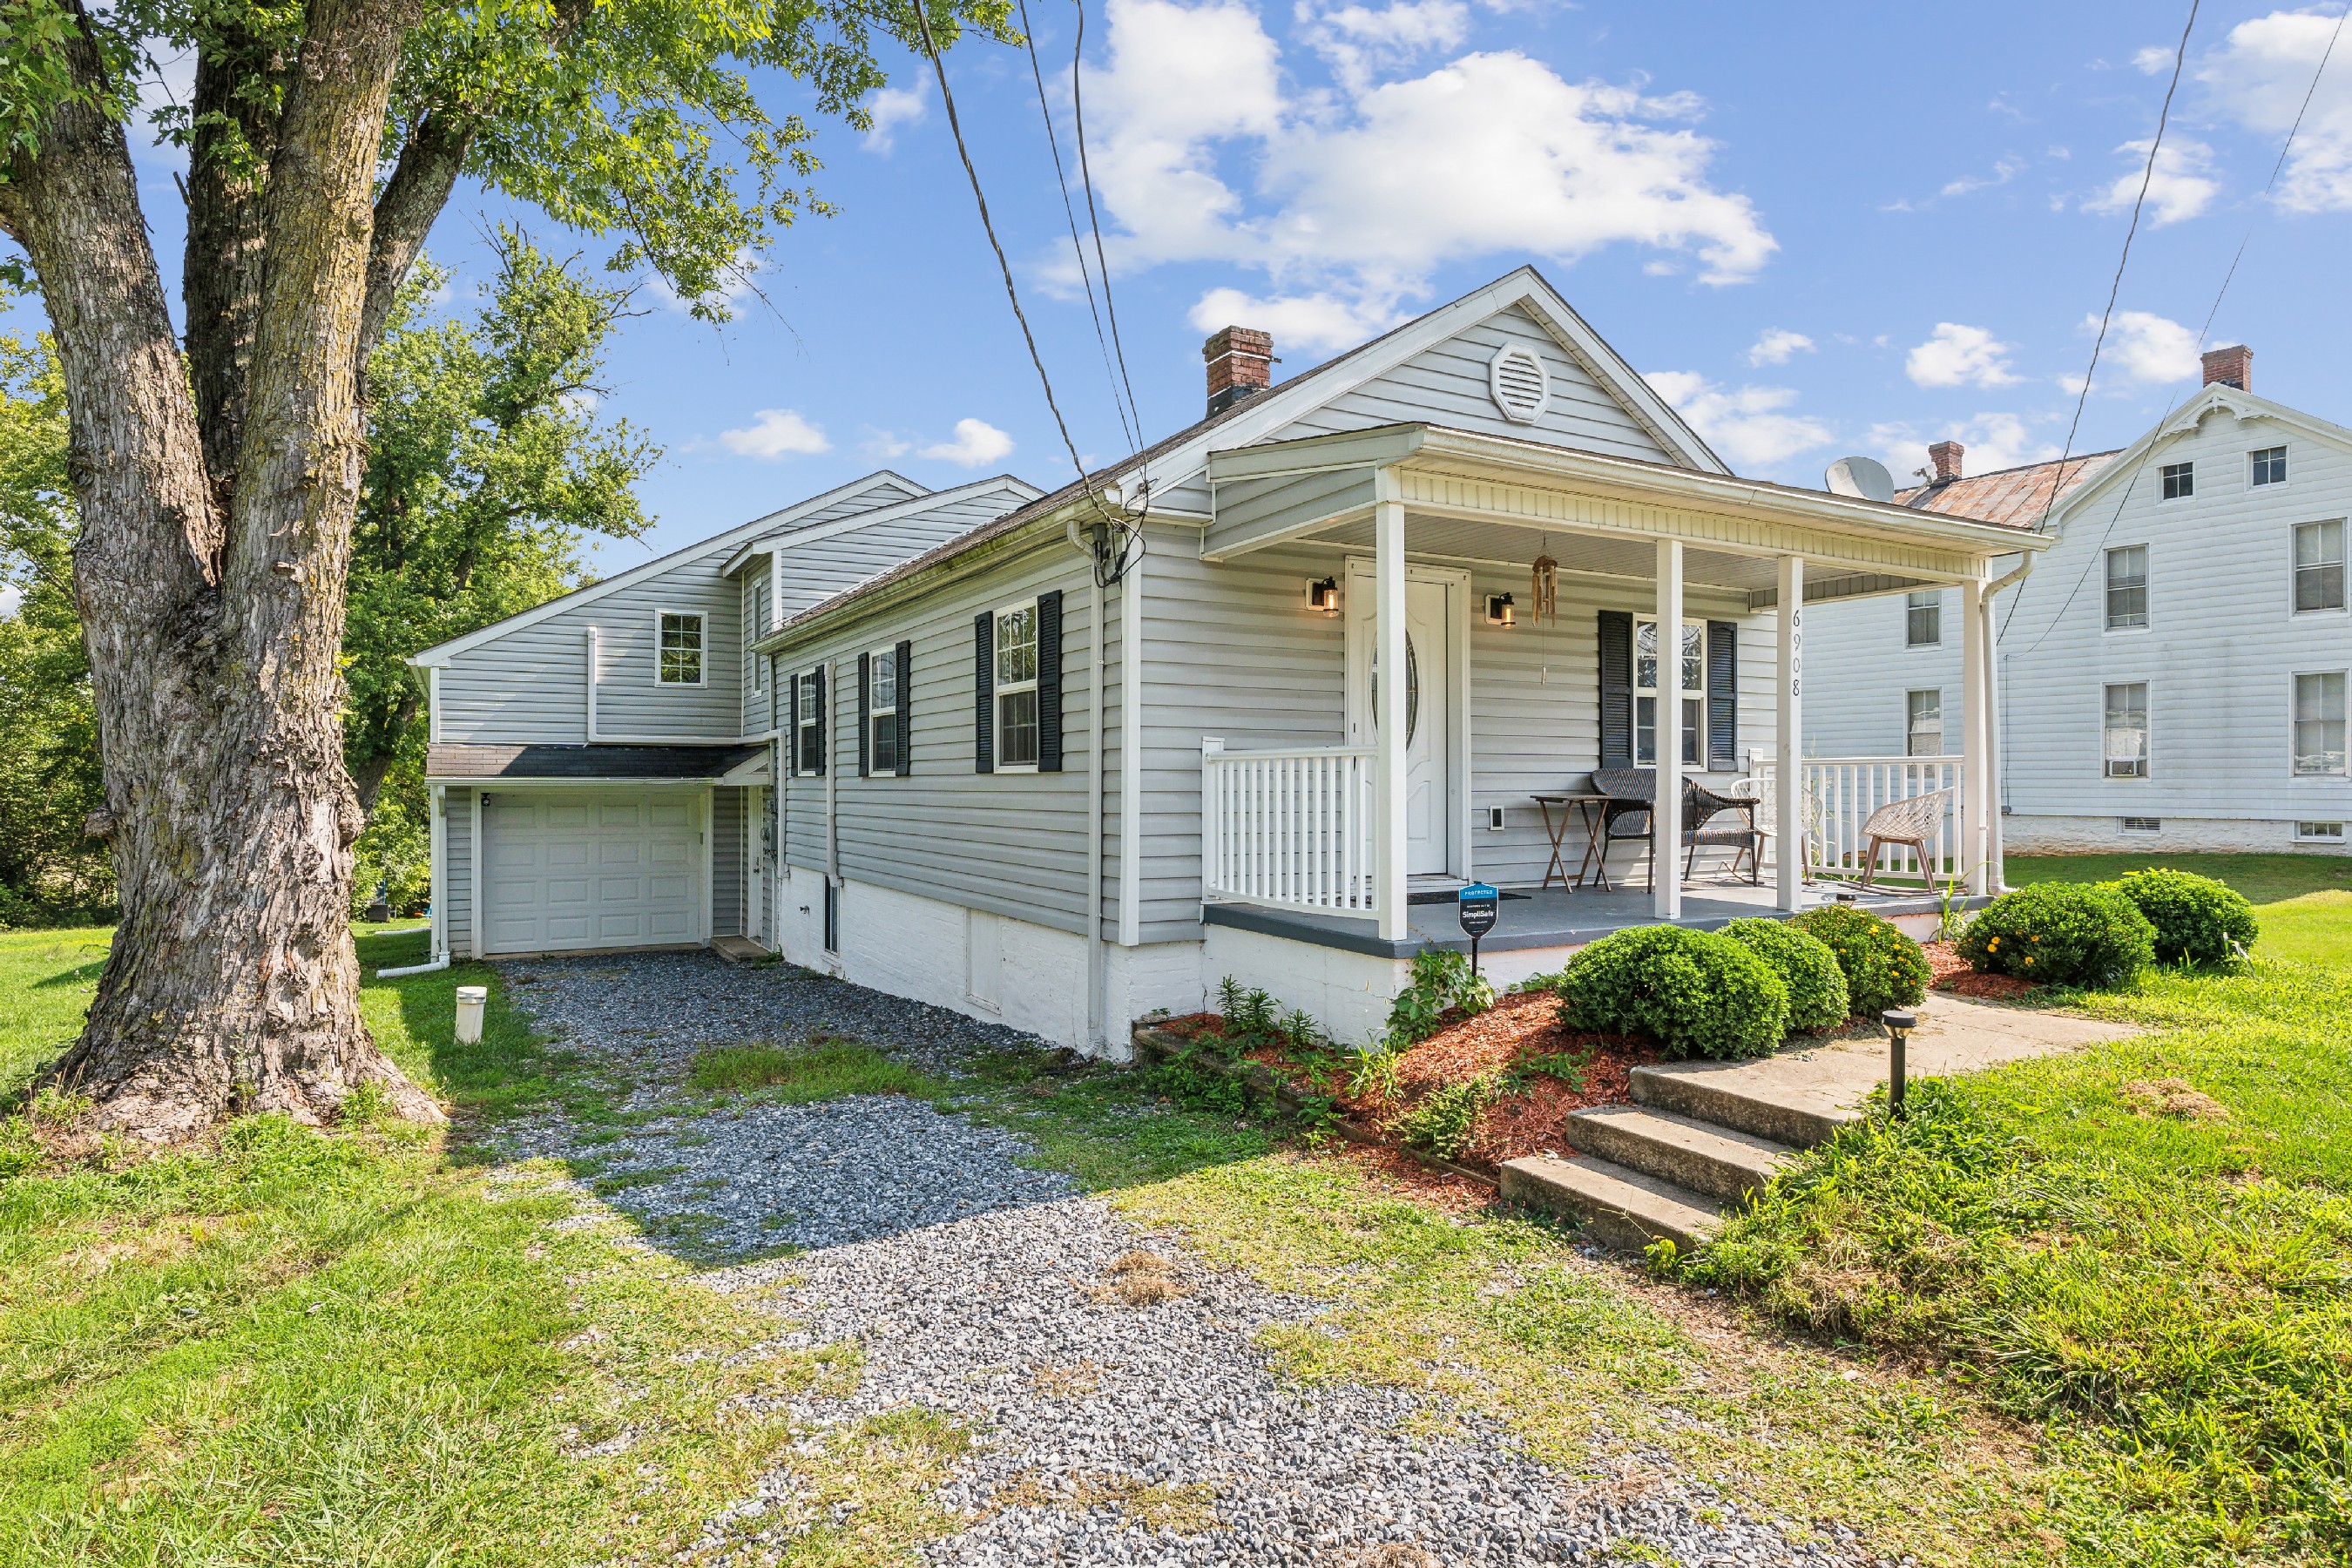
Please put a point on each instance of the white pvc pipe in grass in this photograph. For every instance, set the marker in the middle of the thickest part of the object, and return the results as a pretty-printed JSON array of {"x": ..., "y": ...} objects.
[{"x": 470, "y": 1002}]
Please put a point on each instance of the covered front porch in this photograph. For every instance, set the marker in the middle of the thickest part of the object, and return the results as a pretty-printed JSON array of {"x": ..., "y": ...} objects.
[{"x": 1422, "y": 526}]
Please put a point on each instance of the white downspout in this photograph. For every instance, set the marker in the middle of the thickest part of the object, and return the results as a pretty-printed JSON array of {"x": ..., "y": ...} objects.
[
  {"x": 438, "y": 843},
  {"x": 593, "y": 661},
  {"x": 1096, "y": 983},
  {"x": 1998, "y": 782}
]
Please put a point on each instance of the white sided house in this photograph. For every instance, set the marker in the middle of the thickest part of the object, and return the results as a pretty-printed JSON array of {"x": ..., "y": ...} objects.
[
  {"x": 1086, "y": 759},
  {"x": 2172, "y": 673},
  {"x": 601, "y": 766}
]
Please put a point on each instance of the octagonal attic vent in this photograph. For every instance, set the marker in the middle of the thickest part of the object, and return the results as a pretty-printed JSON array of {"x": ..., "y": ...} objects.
[{"x": 1521, "y": 388}]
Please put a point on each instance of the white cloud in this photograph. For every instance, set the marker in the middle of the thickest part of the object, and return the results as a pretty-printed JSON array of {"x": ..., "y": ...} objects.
[
  {"x": 1307, "y": 320},
  {"x": 885, "y": 444},
  {"x": 1956, "y": 355},
  {"x": 976, "y": 442},
  {"x": 892, "y": 107},
  {"x": 1994, "y": 441},
  {"x": 775, "y": 433},
  {"x": 12, "y": 598},
  {"x": 736, "y": 285},
  {"x": 2003, "y": 171},
  {"x": 2259, "y": 77},
  {"x": 2145, "y": 347},
  {"x": 1354, "y": 198},
  {"x": 2153, "y": 59},
  {"x": 1750, "y": 426},
  {"x": 2180, "y": 187},
  {"x": 1777, "y": 345}
]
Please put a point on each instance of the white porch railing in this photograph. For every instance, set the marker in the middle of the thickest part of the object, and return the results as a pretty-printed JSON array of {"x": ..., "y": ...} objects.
[
  {"x": 1839, "y": 793},
  {"x": 1290, "y": 829}
]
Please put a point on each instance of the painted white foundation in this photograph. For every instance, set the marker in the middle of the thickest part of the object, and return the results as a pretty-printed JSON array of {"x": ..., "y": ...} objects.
[{"x": 2037, "y": 834}]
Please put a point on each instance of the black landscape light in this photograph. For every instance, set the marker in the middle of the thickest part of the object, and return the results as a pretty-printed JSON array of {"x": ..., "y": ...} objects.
[{"x": 1899, "y": 1022}]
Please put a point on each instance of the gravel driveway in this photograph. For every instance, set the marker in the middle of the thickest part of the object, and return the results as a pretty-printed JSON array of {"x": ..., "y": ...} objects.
[{"x": 1114, "y": 1384}]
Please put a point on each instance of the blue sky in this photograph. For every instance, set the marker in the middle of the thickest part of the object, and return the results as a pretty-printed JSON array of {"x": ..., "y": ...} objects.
[{"x": 1820, "y": 230}]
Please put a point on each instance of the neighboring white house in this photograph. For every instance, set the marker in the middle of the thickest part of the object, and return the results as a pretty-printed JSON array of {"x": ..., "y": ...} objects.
[{"x": 2172, "y": 672}]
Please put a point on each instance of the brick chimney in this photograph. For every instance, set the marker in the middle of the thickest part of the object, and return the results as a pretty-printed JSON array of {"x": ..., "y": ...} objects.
[
  {"x": 1241, "y": 364},
  {"x": 2232, "y": 367},
  {"x": 1947, "y": 456}
]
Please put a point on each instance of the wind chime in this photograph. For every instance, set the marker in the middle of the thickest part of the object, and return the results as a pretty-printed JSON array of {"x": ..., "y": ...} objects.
[{"x": 1543, "y": 589}]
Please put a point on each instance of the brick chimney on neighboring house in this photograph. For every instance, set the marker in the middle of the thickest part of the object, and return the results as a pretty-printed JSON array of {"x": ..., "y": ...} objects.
[
  {"x": 1947, "y": 456},
  {"x": 1241, "y": 364},
  {"x": 2232, "y": 367}
]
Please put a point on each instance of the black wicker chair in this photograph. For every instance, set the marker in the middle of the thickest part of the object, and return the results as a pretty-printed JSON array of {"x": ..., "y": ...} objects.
[{"x": 1705, "y": 823}]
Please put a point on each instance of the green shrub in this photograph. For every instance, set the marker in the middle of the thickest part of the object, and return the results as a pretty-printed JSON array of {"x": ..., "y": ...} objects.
[
  {"x": 2196, "y": 917},
  {"x": 1443, "y": 1121},
  {"x": 1818, "y": 998},
  {"x": 1883, "y": 967},
  {"x": 1248, "y": 1018},
  {"x": 2060, "y": 933},
  {"x": 1692, "y": 991},
  {"x": 1441, "y": 981}
]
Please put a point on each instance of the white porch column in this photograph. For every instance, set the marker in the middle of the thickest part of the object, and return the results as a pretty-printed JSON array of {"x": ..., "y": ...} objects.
[
  {"x": 1788, "y": 742},
  {"x": 1667, "y": 814},
  {"x": 1995, "y": 882},
  {"x": 1388, "y": 718},
  {"x": 1975, "y": 778}
]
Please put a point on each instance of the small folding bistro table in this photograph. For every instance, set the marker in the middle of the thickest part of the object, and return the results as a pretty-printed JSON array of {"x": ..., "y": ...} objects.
[{"x": 1583, "y": 807}]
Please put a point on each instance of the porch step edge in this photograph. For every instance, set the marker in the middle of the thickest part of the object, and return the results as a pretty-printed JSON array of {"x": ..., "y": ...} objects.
[
  {"x": 1619, "y": 1208},
  {"x": 1699, "y": 1155},
  {"x": 1798, "y": 1119}
]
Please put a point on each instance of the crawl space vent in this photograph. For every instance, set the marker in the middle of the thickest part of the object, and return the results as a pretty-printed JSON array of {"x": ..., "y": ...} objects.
[{"x": 1520, "y": 386}]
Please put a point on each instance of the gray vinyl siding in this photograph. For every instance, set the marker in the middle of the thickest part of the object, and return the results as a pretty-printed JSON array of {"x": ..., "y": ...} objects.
[
  {"x": 1447, "y": 385},
  {"x": 756, "y": 698},
  {"x": 2219, "y": 654},
  {"x": 457, "y": 873},
  {"x": 727, "y": 862},
  {"x": 1010, "y": 843}
]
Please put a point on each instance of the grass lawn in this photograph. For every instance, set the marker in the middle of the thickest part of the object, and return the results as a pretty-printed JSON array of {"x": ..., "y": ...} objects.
[{"x": 2305, "y": 900}]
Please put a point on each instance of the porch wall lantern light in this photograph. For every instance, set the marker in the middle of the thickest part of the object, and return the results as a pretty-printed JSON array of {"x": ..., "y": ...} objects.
[
  {"x": 1899, "y": 1022},
  {"x": 1323, "y": 594},
  {"x": 1500, "y": 611}
]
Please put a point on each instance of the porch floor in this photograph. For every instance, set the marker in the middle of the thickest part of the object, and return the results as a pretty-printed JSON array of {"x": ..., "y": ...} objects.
[{"x": 1554, "y": 917}]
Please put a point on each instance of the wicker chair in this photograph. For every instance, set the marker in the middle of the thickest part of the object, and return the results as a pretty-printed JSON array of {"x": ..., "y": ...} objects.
[
  {"x": 1626, "y": 816},
  {"x": 1767, "y": 817},
  {"x": 1908, "y": 823},
  {"x": 1704, "y": 824},
  {"x": 1633, "y": 791}
]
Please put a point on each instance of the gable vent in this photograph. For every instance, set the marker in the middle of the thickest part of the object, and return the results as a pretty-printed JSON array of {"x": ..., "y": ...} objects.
[{"x": 1521, "y": 388}]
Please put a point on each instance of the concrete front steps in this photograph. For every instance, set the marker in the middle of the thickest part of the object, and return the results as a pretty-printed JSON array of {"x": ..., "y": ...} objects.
[{"x": 1700, "y": 1136}]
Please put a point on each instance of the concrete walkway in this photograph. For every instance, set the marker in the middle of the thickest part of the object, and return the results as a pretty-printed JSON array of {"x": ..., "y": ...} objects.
[{"x": 1700, "y": 1136}]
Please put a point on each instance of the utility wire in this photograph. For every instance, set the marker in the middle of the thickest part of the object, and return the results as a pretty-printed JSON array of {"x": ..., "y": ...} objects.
[
  {"x": 2325, "y": 54},
  {"x": 2163, "y": 118},
  {"x": 1094, "y": 219},
  {"x": 1130, "y": 424}
]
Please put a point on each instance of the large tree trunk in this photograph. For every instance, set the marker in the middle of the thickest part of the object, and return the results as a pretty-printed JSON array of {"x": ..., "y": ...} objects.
[{"x": 213, "y": 630}]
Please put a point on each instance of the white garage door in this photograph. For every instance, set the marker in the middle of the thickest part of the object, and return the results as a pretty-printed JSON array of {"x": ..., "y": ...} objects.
[{"x": 576, "y": 868}]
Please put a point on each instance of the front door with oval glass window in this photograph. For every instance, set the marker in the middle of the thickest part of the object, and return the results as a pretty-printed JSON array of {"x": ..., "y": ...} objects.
[{"x": 1429, "y": 685}]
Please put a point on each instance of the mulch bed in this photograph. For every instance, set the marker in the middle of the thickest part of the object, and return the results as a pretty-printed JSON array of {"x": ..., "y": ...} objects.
[{"x": 1948, "y": 971}]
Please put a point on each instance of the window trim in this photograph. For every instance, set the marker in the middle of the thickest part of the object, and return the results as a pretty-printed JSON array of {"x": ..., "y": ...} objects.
[
  {"x": 2254, "y": 484},
  {"x": 815, "y": 684},
  {"x": 1940, "y": 731},
  {"x": 2124, "y": 827},
  {"x": 998, "y": 687},
  {"x": 2147, "y": 732},
  {"x": 2189, "y": 464},
  {"x": 2344, "y": 562},
  {"x": 701, "y": 649},
  {"x": 2302, "y": 837},
  {"x": 755, "y": 664},
  {"x": 1698, "y": 732},
  {"x": 2107, "y": 588},
  {"x": 1938, "y": 606},
  {"x": 2292, "y": 679},
  {"x": 875, "y": 712}
]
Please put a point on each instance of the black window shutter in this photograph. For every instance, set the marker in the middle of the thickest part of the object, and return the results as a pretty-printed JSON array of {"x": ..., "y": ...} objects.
[
  {"x": 1723, "y": 695},
  {"x": 824, "y": 718},
  {"x": 864, "y": 713},
  {"x": 1049, "y": 681},
  {"x": 1616, "y": 688},
  {"x": 983, "y": 680},
  {"x": 906, "y": 662}
]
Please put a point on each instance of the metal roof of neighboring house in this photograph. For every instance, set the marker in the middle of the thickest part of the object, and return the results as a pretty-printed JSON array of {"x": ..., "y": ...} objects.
[
  {"x": 454, "y": 762},
  {"x": 2016, "y": 497}
]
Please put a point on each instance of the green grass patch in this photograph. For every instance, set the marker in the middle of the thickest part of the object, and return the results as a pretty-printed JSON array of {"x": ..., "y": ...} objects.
[{"x": 792, "y": 1076}]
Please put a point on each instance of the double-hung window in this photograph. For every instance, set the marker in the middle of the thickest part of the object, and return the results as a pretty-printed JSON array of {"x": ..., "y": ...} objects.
[
  {"x": 2268, "y": 466},
  {"x": 2127, "y": 587},
  {"x": 1016, "y": 686},
  {"x": 1923, "y": 723},
  {"x": 1923, "y": 619},
  {"x": 2179, "y": 480},
  {"x": 2124, "y": 739},
  {"x": 808, "y": 721},
  {"x": 882, "y": 711},
  {"x": 680, "y": 648},
  {"x": 2319, "y": 565},
  {"x": 1693, "y": 674},
  {"x": 2319, "y": 723}
]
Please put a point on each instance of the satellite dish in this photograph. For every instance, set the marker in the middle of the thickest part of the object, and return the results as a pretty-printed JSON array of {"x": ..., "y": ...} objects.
[{"x": 1865, "y": 478}]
